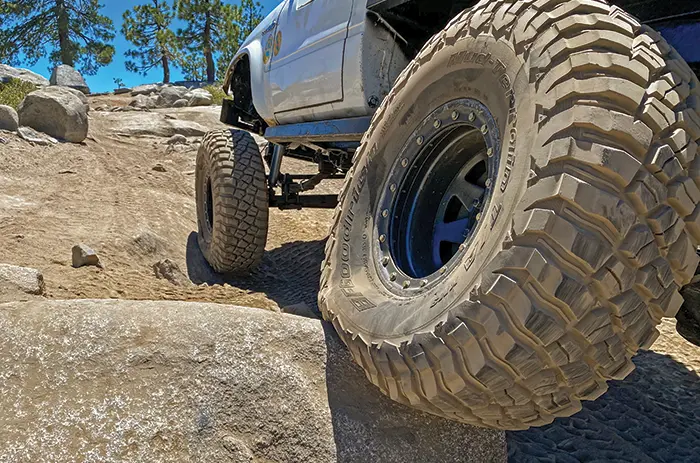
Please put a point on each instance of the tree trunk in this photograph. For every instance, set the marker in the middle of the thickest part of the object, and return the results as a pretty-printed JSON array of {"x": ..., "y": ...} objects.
[
  {"x": 64, "y": 44},
  {"x": 211, "y": 70},
  {"x": 166, "y": 69}
]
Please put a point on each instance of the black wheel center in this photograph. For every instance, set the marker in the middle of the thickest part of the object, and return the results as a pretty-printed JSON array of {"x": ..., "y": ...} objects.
[
  {"x": 436, "y": 193},
  {"x": 209, "y": 205}
]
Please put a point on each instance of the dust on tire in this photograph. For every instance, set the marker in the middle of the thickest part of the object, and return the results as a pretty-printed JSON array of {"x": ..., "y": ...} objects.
[
  {"x": 232, "y": 201},
  {"x": 601, "y": 240}
]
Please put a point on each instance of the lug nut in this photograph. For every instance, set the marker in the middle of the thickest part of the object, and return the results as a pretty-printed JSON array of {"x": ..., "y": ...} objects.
[
  {"x": 488, "y": 183},
  {"x": 478, "y": 216},
  {"x": 385, "y": 261},
  {"x": 382, "y": 238},
  {"x": 406, "y": 284},
  {"x": 484, "y": 129},
  {"x": 392, "y": 277},
  {"x": 442, "y": 271},
  {"x": 392, "y": 187},
  {"x": 489, "y": 152},
  {"x": 472, "y": 116},
  {"x": 385, "y": 213},
  {"x": 461, "y": 247},
  {"x": 455, "y": 115},
  {"x": 420, "y": 140},
  {"x": 437, "y": 123},
  {"x": 423, "y": 283},
  {"x": 404, "y": 162}
]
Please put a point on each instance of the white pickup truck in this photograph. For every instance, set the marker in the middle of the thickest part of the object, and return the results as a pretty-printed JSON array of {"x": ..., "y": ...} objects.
[{"x": 520, "y": 207}]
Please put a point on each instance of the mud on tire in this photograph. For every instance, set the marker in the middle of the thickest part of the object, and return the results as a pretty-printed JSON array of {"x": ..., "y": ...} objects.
[
  {"x": 232, "y": 201},
  {"x": 589, "y": 233}
]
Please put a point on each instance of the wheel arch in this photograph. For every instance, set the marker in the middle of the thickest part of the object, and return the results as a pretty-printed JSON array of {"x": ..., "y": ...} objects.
[{"x": 250, "y": 57}]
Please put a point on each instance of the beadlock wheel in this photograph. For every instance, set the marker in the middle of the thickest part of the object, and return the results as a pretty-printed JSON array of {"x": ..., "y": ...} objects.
[{"x": 505, "y": 305}]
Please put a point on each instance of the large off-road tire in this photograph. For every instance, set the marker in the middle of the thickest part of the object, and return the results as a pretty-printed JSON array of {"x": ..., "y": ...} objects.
[
  {"x": 232, "y": 201},
  {"x": 588, "y": 230}
]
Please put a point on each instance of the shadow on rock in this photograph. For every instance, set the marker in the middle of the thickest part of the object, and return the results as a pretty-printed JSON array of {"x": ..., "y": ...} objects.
[
  {"x": 289, "y": 274},
  {"x": 369, "y": 427},
  {"x": 653, "y": 415}
]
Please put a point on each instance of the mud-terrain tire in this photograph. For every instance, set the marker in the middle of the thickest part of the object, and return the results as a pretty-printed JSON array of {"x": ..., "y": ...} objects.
[
  {"x": 232, "y": 201},
  {"x": 589, "y": 233}
]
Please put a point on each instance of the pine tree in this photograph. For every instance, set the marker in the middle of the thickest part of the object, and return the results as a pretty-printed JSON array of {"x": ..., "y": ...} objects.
[
  {"x": 194, "y": 67},
  {"x": 148, "y": 28},
  {"x": 241, "y": 21},
  {"x": 206, "y": 31},
  {"x": 250, "y": 15},
  {"x": 73, "y": 30}
]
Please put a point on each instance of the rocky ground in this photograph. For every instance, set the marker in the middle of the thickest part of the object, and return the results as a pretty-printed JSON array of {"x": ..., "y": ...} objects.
[{"x": 127, "y": 193}]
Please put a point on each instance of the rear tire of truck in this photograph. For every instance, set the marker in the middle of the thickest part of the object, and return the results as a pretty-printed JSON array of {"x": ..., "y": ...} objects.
[
  {"x": 232, "y": 201},
  {"x": 520, "y": 215}
]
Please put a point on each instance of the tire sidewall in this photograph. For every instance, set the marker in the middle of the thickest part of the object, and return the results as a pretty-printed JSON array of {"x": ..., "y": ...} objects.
[
  {"x": 484, "y": 69},
  {"x": 202, "y": 178}
]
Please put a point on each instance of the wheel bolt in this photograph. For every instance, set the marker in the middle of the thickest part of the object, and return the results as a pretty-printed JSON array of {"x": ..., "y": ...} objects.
[
  {"x": 423, "y": 282},
  {"x": 420, "y": 140},
  {"x": 484, "y": 129},
  {"x": 404, "y": 162},
  {"x": 442, "y": 271},
  {"x": 455, "y": 115},
  {"x": 472, "y": 116},
  {"x": 392, "y": 187},
  {"x": 478, "y": 216},
  {"x": 461, "y": 247},
  {"x": 385, "y": 213},
  {"x": 489, "y": 152},
  {"x": 437, "y": 123},
  {"x": 382, "y": 238},
  {"x": 488, "y": 183},
  {"x": 406, "y": 284},
  {"x": 385, "y": 261},
  {"x": 392, "y": 277}
]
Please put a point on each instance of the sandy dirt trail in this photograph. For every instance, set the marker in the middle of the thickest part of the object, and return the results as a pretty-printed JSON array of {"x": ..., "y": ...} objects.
[{"x": 106, "y": 194}]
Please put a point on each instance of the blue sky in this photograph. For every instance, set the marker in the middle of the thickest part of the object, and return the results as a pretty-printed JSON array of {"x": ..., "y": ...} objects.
[{"x": 103, "y": 81}]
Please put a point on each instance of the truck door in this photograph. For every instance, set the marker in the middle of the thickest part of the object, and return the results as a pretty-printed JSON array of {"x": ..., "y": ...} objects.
[{"x": 306, "y": 53}]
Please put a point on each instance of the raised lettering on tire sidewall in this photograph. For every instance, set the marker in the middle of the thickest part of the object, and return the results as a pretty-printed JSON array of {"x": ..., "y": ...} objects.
[{"x": 483, "y": 69}]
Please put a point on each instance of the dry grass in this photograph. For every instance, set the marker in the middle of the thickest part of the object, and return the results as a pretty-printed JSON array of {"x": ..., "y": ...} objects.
[{"x": 13, "y": 92}]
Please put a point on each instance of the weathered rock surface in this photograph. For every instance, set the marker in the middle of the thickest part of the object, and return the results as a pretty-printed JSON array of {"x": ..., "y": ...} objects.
[
  {"x": 177, "y": 140},
  {"x": 167, "y": 269},
  {"x": 143, "y": 102},
  {"x": 147, "y": 89},
  {"x": 8, "y": 72},
  {"x": 152, "y": 124},
  {"x": 38, "y": 138},
  {"x": 27, "y": 280},
  {"x": 180, "y": 103},
  {"x": 9, "y": 120},
  {"x": 169, "y": 95},
  {"x": 81, "y": 96},
  {"x": 55, "y": 111},
  {"x": 121, "y": 91},
  {"x": 199, "y": 97},
  {"x": 66, "y": 76},
  {"x": 83, "y": 255},
  {"x": 149, "y": 243},
  {"x": 173, "y": 381}
]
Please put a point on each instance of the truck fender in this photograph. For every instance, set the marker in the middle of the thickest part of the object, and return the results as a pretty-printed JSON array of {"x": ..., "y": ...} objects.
[{"x": 254, "y": 52}]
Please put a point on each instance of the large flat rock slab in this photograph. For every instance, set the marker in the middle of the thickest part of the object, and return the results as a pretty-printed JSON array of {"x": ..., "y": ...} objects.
[
  {"x": 154, "y": 124},
  {"x": 173, "y": 381}
]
